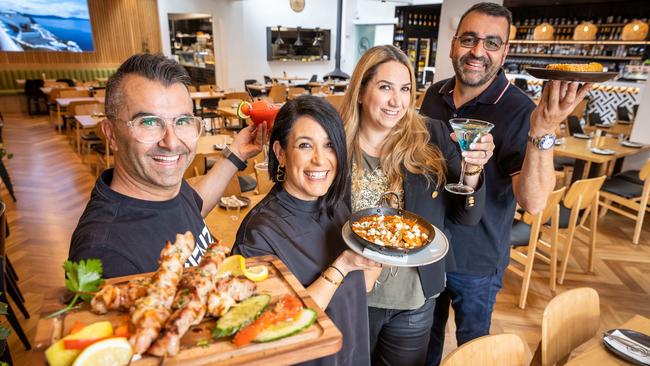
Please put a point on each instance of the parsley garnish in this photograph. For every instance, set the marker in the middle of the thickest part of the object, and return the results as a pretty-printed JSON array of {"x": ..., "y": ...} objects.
[{"x": 82, "y": 279}]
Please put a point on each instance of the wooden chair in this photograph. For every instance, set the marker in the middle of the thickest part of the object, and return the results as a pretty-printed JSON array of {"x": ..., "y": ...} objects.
[
  {"x": 583, "y": 195},
  {"x": 238, "y": 95},
  {"x": 419, "y": 99},
  {"x": 208, "y": 87},
  {"x": 628, "y": 196},
  {"x": 51, "y": 102},
  {"x": 321, "y": 89},
  {"x": 490, "y": 350},
  {"x": 228, "y": 103},
  {"x": 74, "y": 93},
  {"x": 335, "y": 100},
  {"x": 525, "y": 254},
  {"x": 191, "y": 88},
  {"x": 103, "y": 150},
  {"x": 278, "y": 93},
  {"x": 295, "y": 92},
  {"x": 99, "y": 92},
  {"x": 83, "y": 108},
  {"x": 569, "y": 320},
  {"x": 196, "y": 168}
]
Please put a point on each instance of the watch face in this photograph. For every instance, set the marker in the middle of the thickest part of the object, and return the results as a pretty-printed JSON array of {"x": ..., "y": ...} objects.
[{"x": 547, "y": 142}]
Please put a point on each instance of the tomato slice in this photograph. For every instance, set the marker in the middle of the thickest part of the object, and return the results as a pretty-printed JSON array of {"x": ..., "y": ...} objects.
[
  {"x": 287, "y": 308},
  {"x": 80, "y": 343}
]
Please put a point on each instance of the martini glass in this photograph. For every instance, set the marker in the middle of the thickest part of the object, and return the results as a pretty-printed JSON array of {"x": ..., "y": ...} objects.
[{"x": 468, "y": 131}]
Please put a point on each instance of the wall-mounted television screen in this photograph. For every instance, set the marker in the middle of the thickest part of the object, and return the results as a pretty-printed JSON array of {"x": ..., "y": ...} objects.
[{"x": 45, "y": 25}]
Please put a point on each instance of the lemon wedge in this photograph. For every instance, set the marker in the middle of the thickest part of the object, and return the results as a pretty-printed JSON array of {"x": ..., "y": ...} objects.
[
  {"x": 236, "y": 266},
  {"x": 109, "y": 352}
]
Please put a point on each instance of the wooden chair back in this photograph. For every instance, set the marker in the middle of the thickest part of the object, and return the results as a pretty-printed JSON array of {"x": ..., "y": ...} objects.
[
  {"x": 570, "y": 319},
  {"x": 490, "y": 350},
  {"x": 74, "y": 93},
  {"x": 238, "y": 95},
  {"x": 321, "y": 89},
  {"x": 56, "y": 93},
  {"x": 631, "y": 207},
  {"x": 278, "y": 93},
  {"x": 99, "y": 92},
  {"x": 191, "y": 88},
  {"x": 335, "y": 100},
  {"x": 583, "y": 192},
  {"x": 196, "y": 168},
  {"x": 207, "y": 87},
  {"x": 228, "y": 103},
  {"x": 85, "y": 108},
  {"x": 525, "y": 256},
  {"x": 419, "y": 99},
  {"x": 582, "y": 195},
  {"x": 294, "y": 92}
]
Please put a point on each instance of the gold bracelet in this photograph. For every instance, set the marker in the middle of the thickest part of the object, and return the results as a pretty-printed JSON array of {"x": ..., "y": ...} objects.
[
  {"x": 330, "y": 280},
  {"x": 469, "y": 174}
]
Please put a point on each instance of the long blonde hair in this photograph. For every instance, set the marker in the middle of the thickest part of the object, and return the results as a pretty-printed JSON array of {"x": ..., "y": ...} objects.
[{"x": 407, "y": 146}]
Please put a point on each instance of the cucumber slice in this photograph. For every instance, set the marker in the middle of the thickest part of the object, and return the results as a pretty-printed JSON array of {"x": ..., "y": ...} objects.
[
  {"x": 240, "y": 315},
  {"x": 278, "y": 331}
]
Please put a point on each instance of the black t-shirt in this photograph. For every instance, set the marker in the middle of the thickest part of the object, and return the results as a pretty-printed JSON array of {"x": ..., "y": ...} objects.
[
  {"x": 482, "y": 249},
  {"x": 127, "y": 234},
  {"x": 307, "y": 241}
]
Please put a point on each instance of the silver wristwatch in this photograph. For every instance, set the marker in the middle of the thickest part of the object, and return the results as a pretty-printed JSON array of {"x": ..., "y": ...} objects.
[{"x": 544, "y": 142}]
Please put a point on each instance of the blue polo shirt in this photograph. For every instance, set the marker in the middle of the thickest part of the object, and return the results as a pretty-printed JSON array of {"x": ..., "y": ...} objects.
[{"x": 485, "y": 247}]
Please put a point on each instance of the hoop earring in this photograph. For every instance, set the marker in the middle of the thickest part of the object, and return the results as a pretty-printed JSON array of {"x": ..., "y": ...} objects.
[{"x": 280, "y": 174}]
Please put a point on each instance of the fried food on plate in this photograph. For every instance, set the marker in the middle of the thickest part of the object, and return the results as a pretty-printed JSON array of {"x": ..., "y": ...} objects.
[{"x": 590, "y": 67}]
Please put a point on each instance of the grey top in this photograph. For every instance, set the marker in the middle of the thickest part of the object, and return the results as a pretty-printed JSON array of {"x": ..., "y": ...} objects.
[{"x": 396, "y": 288}]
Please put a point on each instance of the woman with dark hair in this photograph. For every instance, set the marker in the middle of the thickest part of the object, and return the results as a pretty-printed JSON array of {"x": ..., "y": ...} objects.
[
  {"x": 392, "y": 148},
  {"x": 300, "y": 221}
]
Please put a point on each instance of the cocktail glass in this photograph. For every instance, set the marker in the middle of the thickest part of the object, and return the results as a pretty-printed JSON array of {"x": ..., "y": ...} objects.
[
  {"x": 467, "y": 131},
  {"x": 260, "y": 112}
]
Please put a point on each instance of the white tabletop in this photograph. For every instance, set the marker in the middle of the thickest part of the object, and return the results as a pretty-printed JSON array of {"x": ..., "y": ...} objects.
[
  {"x": 87, "y": 121},
  {"x": 207, "y": 95},
  {"x": 48, "y": 89}
]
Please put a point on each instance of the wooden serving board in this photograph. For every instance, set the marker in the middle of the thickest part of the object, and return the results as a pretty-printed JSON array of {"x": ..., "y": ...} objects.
[{"x": 321, "y": 339}]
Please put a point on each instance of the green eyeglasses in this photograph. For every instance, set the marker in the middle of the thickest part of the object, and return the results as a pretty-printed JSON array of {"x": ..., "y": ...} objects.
[{"x": 151, "y": 129}]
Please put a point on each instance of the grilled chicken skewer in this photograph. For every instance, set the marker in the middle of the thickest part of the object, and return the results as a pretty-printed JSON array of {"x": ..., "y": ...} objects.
[
  {"x": 229, "y": 291},
  {"x": 119, "y": 297},
  {"x": 150, "y": 312},
  {"x": 190, "y": 301}
]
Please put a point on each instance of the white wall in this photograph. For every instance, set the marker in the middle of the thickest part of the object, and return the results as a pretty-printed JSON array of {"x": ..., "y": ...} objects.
[
  {"x": 240, "y": 35},
  {"x": 640, "y": 130},
  {"x": 449, "y": 17}
]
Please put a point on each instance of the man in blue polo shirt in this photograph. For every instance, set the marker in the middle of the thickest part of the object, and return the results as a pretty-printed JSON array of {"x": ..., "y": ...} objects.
[{"x": 521, "y": 170}]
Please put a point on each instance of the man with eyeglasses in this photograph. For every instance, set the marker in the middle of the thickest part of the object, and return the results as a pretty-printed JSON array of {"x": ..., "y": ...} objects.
[
  {"x": 521, "y": 170},
  {"x": 143, "y": 202}
]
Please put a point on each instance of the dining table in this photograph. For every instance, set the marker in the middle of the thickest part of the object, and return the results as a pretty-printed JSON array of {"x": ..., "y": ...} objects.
[
  {"x": 597, "y": 354},
  {"x": 259, "y": 87},
  {"x": 588, "y": 162},
  {"x": 198, "y": 96},
  {"x": 206, "y": 144},
  {"x": 48, "y": 89},
  {"x": 63, "y": 103},
  {"x": 85, "y": 122},
  {"x": 613, "y": 128},
  {"x": 223, "y": 224},
  {"x": 289, "y": 79}
]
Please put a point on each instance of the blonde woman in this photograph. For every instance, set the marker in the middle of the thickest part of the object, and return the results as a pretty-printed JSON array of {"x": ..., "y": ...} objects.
[{"x": 392, "y": 148}]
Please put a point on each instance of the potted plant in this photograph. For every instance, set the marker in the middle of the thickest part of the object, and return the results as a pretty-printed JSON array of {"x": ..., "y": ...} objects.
[{"x": 4, "y": 334}]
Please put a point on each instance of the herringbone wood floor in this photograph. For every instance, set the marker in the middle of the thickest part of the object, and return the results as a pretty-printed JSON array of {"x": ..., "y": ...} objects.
[{"x": 52, "y": 187}]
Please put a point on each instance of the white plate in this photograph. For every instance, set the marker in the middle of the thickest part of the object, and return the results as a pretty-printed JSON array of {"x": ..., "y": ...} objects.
[
  {"x": 431, "y": 254},
  {"x": 581, "y": 136},
  {"x": 631, "y": 144},
  {"x": 596, "y": 150}
]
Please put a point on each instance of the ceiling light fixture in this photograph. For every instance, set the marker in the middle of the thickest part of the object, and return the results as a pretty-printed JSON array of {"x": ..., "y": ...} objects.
[
  {"x": 279, "y": 40},
  {"x": 298, "y": 41}
]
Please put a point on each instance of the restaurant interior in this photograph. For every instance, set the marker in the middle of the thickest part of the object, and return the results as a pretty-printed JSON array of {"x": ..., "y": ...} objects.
[{"x": 592, "y": 234}]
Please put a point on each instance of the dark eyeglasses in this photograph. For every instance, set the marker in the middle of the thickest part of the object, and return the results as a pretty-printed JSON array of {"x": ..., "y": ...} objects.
[{"x": 489, "y": 43}]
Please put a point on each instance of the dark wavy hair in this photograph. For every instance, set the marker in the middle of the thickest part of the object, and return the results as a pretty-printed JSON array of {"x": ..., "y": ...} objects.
[
  {"x": 491, "y": 9},
  {"x": 155, "y": 67},
  {"x": 326, "y": 115}
]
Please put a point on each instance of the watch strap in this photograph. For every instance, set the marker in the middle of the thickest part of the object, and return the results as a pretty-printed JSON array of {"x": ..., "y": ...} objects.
[
  {"x": 237, "y": 162},
  {"x": 537, "y": 140}
]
